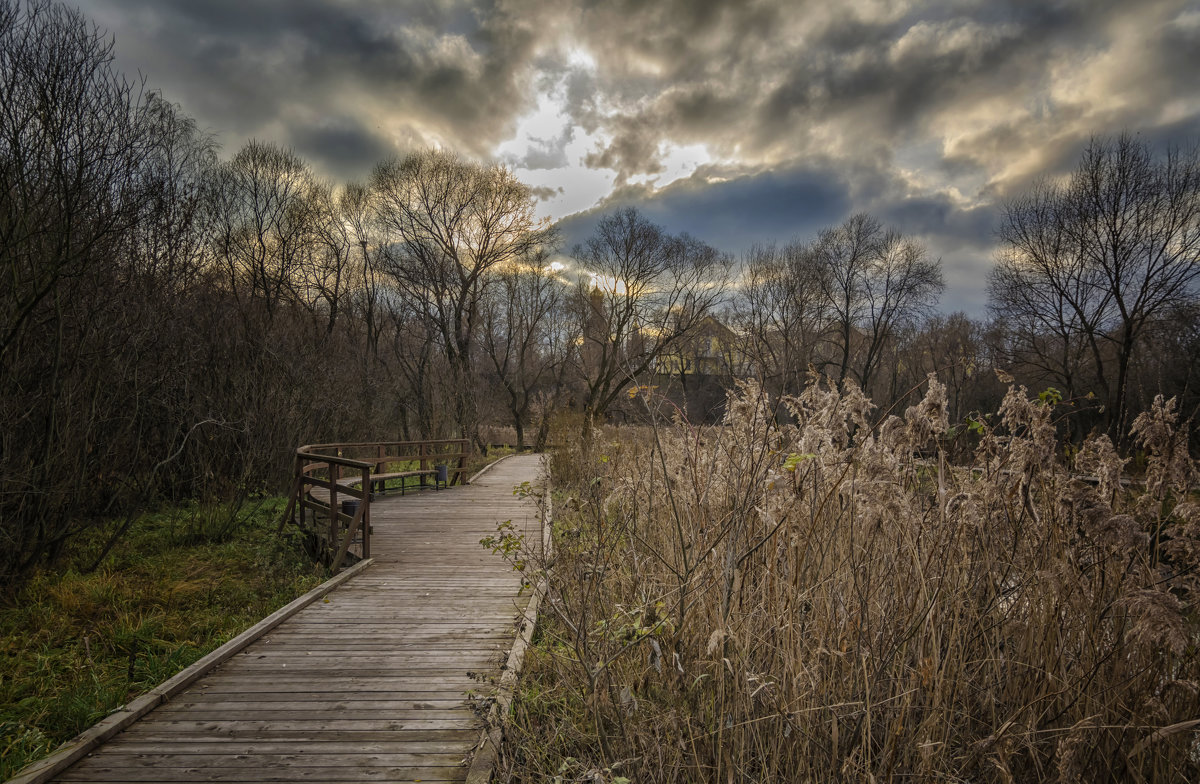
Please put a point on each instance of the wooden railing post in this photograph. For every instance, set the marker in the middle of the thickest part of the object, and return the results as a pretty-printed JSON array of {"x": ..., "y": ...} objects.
[
  {"x": 461, "y": 474},
  {"x": 321, "y": 466},
  {"x": 355, "y": 522},
  {"x": 335, "y": 474},
  {"x": 366, "y": 513}
]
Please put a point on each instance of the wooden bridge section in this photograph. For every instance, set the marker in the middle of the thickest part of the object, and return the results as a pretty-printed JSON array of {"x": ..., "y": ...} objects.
[{"x": 371, "y": 684}]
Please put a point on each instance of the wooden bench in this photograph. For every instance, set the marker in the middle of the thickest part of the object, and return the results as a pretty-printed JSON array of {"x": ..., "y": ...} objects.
[
  {"x": 324, "y": 472},
  {"x": 378, "y": 483}
]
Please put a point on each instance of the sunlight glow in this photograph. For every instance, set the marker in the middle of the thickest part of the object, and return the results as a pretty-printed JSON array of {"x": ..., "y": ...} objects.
[
  {"x": 547, "y": 150},
  {"x": 578, "y": 57},
  {"x": 607, "y": 283}
]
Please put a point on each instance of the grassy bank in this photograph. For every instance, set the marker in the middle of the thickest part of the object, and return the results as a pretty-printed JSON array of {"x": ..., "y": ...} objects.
[
  {"x": 78, "y": 642},
  {"x": 832, "y": 600}
]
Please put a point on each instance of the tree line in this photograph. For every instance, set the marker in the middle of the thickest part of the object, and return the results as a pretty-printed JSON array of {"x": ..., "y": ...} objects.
[
  {"x": 1093, "y": 299},
  {"x": 173, "y": 324}
]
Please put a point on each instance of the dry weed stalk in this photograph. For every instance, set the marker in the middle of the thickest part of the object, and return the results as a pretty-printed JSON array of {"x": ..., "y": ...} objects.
[{"x": 830, "y": 599}]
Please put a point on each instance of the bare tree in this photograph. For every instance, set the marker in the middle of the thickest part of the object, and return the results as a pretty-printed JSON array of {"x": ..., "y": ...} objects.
[
  {"x": 449, "y": 223},
  {"x": 875, "y": 281},
  {"x": 519, "y": 317},
  {"x": 263, "y": 216},
  {"x": 85, "y": 158},
  {"x": 72, "y": 134},
  {"x": 168, "y": 243},
  {"x": 354, "y": 204},
  {"x": 647, "y": 292},
  {"x": 844, "y": 254},
  {"x": 1092, "y": 260},
  {"x": 955, "y": 348},
  {"x": 327, "y": 259},
  {"x": 781, "y": 310}
]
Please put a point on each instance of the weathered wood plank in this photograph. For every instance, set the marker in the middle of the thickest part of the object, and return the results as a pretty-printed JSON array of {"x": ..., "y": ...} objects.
[
  {"x": 307, "y": 705},
  {"x": 300, "y": 759},
  {"x": 371, "y": 685},
  {"x": 346, "y": 748},
  {"x": 332, "y": 685},
  {"x": 320, "y": 774},
  {"x": 464, "y": 736},
  {"x": 416, "y": 695},
  {"x": 285, "y": 715},
  {"x": 314, "y": 722}
]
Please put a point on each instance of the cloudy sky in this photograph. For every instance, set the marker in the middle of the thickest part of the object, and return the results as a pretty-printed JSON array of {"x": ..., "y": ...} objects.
[{"x": 737, "y": 121}]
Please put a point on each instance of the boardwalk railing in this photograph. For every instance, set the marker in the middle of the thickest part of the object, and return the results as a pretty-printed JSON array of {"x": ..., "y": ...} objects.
[{"x": 333, "y": 483}]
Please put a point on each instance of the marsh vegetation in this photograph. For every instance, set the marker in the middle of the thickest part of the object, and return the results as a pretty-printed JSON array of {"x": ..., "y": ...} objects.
[{"x": 813, "y": 591}]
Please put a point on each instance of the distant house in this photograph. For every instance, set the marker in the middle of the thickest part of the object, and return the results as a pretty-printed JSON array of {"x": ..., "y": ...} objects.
[
  {"x": 712, "y": 350},
  {"x": 698, "y": 372}
]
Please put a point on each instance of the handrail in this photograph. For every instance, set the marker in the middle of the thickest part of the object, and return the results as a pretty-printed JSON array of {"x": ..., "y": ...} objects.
[
  {"x": 344, "y": 526},
  {"x": 303, "y": 451}
]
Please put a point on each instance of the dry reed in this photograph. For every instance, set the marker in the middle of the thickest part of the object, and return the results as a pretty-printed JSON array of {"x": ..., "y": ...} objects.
[{"x": 829, "y": 599}]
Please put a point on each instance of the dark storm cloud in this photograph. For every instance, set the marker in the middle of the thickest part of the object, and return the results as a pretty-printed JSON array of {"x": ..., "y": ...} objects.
[
  {"x": 775, "y": 82},
  {"x": 875, "y": 76},
  {"x": 416, "y": 74},
  {"x": 797, "y": 203},
  {"x": 929, "y": 114},
  {"x": 343, "y": 144},
  {"x": 730, "y": 214},
  {"x": 768, "y": 82}
]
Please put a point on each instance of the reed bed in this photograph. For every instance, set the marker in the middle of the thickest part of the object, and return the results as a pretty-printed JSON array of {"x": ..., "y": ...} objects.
[{"x": 830, "y": 599}]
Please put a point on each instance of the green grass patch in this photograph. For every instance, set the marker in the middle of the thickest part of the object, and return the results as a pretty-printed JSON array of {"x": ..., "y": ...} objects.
[
  {"x": 75, "y": 646},
  {"x": 476, "y": 460}
]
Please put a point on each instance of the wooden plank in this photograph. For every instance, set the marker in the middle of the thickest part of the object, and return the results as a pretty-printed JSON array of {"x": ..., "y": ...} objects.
[
  {"x": 464, "y": 736},
  {"x": 347, "y": 748},
  {"x": 343, "y": 683},
  {"x": 203, "y": 695},
  {"x": 365, "y": 656},
  {"x": 370, "y": 685},
  {"x": 313, "y": 725},
  {"x": 302, "y": 758},
  {"x": 439, "y": 703},
  {"x": 324, "y": 775},
  {"x": 271, "y": 712},
  {"x": 433, "y": 670},
  {"x": 93, "y": 737}
]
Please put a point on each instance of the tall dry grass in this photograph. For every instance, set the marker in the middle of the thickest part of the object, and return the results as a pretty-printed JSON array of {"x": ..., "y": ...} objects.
[{"x": 832, "y": 600}]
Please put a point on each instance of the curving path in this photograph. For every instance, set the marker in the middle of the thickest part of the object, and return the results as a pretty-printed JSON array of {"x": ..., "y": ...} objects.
[{"x": 370, "y": 684}]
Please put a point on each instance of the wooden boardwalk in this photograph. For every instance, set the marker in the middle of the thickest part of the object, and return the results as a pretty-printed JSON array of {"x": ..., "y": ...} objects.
[{"x": 370, "y": 684}]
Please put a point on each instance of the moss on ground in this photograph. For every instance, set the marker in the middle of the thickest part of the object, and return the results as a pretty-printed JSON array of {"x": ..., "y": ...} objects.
[{"x": 77, "y": 643}]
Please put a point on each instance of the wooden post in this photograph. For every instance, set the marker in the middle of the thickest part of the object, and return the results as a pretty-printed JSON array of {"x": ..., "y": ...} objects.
[
  {"x": 464, "y": 452},
  {"x": 366, "y": 513},
  {"x": 424, "y": 450},
  {"x": 334, "y": 524},
  {"x": 345, "y": 544}
]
